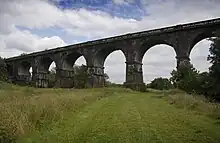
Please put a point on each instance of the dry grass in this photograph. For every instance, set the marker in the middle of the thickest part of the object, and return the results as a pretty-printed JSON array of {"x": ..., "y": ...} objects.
[
  {"x": 25, "y": 109},
  {"x": 193, "y": 102}
]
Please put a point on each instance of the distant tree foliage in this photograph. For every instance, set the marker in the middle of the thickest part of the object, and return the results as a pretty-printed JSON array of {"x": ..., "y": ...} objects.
[
  {"x": 22, "y": 54},
  {"x": 160, "y": 83},
  {"x": 3, "y": 70}
]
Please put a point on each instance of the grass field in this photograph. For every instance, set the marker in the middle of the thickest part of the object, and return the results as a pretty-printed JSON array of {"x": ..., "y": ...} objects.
[{"x": 29, "y": 115}]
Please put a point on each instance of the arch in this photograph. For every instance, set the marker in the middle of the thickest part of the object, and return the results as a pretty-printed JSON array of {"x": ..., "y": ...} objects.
[
  {"x": 148, "y": 44},
  {"x": 9, "y": 69},
  {"x": 199, "y": 54},
  {"x": 80, "y": 61},
  {"x": 158, "y": 61},
  {"x": 52, "y": 75},
  {"x": 199, "y": 37},
  {"x": 23, "y": 68},
  {"x": 70, "y": 60},
  {"x": 101, "y": 55},
  {"x": 199, "y": 40},
  {"x": 52, "y": 67},
  {"x": 115, "y": 60},
  {"x": 31, "y": 71},
  {"x": 45, "y": 63}
]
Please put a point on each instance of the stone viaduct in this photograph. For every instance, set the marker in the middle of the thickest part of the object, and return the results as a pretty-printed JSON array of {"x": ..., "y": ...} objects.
[{"x": 133, "y": 45}]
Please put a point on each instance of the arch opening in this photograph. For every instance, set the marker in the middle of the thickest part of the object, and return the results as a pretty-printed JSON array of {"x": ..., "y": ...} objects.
[
  {"x": 74, "y": 70},
  {"x": 74, "y": 59},
  {"x": 201, "y": 37},
  {"x": 104, "y": 53},
  {"x": 115, "y": 68},
  {"x": 158, "y": 61},
  {"x": 146, "y": 46},
  {"x": 80, "y": 61},
  {"x": 23, "y": 71},
  {"x": 46, "y": 64},
  {"x": 80, "y": 72},
  {"x": 23, "y": 68},
  {"x": 199, "y": 54},
  {"x": 47, "y": 71},
  {"x": 31, "y": 72},
  {"x": 52, "y": 74}
]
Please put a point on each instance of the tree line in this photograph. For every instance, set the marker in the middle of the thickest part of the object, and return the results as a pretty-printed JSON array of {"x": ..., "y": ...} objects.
[{"x": 187, "y": 78}]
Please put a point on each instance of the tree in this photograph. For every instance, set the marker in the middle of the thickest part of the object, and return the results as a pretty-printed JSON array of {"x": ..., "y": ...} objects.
[
  {"x": 160, "y": 83},
  {"x": 214, "y": 70},
  {"x": 214, "y": 58},
  {"x": 185, "y": 78},
  {"x": 22, "y": 54}
]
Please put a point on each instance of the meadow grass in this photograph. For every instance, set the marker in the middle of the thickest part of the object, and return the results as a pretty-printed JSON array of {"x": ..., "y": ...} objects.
[{"x": 105, "y": 115}]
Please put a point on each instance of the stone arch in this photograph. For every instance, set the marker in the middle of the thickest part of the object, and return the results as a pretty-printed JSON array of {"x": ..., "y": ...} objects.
[
  {"x": 70, "y": 59},
  {"x": 45, "y": 63},
  {"x": 23, "y": 73},
  {"x": 43, "y": 78},
  {"x": 158, "y": 63},
  {"x": 200, "y": 36},
  {"x": 197, "y": 55},
  {"x": 115, "y": 60},
  {"x": 101, "y": 55},
  {"x": 150, "y": 43},
  {"x": 24, "y": 67}
]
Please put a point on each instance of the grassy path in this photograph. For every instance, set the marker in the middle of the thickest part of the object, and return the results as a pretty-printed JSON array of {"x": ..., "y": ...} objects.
[{"x": 129, "y": 118}]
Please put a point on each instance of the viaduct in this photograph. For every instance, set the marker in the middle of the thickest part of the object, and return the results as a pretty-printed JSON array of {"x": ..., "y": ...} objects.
[{"x": 133, "y": 45}]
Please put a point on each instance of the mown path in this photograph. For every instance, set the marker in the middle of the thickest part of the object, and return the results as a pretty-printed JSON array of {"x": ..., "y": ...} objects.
[{"x": 130, "y": 118}]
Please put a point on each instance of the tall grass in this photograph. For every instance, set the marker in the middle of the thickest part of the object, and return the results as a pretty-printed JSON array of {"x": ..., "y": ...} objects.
[
  {"x": 193, "y": 102},
  {"x": 25, "y": 109}
]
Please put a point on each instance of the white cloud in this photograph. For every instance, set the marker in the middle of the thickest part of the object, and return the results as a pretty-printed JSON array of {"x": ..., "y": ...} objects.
[
  {"x": 40, "y": 14},
  {"x": 123, "y": 1},
  {"x": 23, "y": 41}
]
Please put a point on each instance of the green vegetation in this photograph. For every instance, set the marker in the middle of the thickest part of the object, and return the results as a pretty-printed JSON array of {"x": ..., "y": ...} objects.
[
  {"x": 187, "y": 78},
  {"x": 3, "y": 70},
  {"x": 160, "y": 83},
  {"x": 105, "y": 115}
]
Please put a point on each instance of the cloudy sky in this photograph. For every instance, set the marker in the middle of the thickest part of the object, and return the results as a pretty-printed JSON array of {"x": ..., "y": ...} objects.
[{"x": 33, "y": 25}]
